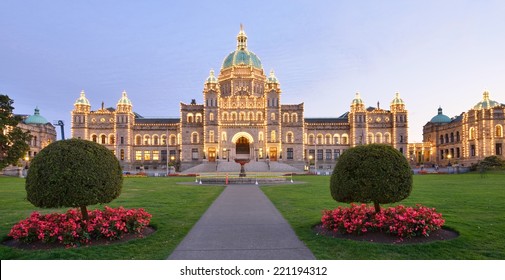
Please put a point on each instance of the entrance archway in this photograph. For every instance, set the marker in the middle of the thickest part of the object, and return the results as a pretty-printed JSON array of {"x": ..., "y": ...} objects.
[{"x": 242, "y": 148}]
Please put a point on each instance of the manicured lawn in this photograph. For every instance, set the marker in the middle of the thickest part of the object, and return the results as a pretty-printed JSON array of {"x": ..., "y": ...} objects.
[
  {"x": 472, "y": 205},
  {"x": 175, "y": 208}
]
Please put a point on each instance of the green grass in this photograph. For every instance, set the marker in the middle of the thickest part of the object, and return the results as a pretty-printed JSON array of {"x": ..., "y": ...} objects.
[
  {"x": 472, "y": 205},
  {"x": 175, "y": 209}
]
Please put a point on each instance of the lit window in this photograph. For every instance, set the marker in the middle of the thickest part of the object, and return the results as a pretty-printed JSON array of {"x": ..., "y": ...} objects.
[
  {"x": 147, "y": 155},
  {"x": 156, "y": 155},
  {"x": 138, "y": 155}
]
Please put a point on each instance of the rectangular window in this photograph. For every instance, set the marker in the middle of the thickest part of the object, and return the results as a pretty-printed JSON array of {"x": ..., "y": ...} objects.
[
  {"x": 122, "y": 140},
  {"x": 147, "y": 155},
  {"x": 499, "y": 150},
  {"x": 312, "y": 154},
  {"x": 194, "y": 154},
  {"x": 328, "y": 154},
  {"x": 472, "y": 150},
  {"x": 320, "y": 154},
  {"x": 441, "y": 154},
  {"x": 164, "y": 155},
  {"x": 458, "y": 155},
  {"x": 156, "y": 155},
  {"x": 122, "y": 154},
  {"x": 336, "y": 153},
  {"x": 290, "y": 153},
  {"x": 138, "y": 155}
]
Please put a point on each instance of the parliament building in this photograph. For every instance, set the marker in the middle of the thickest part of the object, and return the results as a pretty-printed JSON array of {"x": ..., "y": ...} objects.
[{"x": 242, "y": 117}]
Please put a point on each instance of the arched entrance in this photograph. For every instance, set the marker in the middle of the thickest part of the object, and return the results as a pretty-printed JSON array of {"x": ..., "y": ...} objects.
[{"x": 242, "y": 148}]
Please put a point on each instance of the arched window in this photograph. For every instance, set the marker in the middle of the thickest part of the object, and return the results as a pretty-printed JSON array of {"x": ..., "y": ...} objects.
[
  {"x": 471, "y": 133},
  {"x": 387, "y": 138},
  {"x": 111, "y": 139},
  {"x": 311, "y": 139},
  {"x": 260, "y": 136},
  {"x": 272, "y": 116},
  {"x": 273, "y": 136},
  {"x": 225, "y": 116},
  {"x": 319, "y": 139},
  {"x": 156, "y": 140},
  {"x": 378, "y": 137},
  {"x": 327, "y": 139},
  {"x": 147, "y": 140},
  {"x": 370, "y": 138},
  {"x": 345, "y": 139},
  {"x": 233, "y": 116},
  {"x": 173, "y": 139},
  {"x": 211, "y": 117},
  {"x": 285, "y": 117},
  {"x": 211, "y": 136},
  {"x": 103, "y": 139},
  {"x": 163, "y": 139},
  {"x": 441, "y": 139},
  {"x": 294, "y": 117},
  {"x": 336, "y": 139},
  {"x": 242, "y": 116},
  {"x": 94, "y": 138},
  {"x": 499, "y": 131},
  {"x": 251, "y": 116},
  {"x": 224, "y": 138},
  {"x": 194, "y": 138},
  {"x": 138, "y": 140},
  {"x": 259, "y": 116},
  {"x": 289, "y": 137},
  {"x": 198, "y": 118},
  {"x": 190, "y": 118}
]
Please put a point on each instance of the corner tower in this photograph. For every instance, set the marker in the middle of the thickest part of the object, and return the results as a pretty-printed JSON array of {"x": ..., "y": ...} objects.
[{"x": 80, "y": 117}]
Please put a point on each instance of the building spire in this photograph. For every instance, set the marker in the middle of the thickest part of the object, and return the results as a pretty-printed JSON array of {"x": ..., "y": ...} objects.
[{"x": 241, "y": 39}]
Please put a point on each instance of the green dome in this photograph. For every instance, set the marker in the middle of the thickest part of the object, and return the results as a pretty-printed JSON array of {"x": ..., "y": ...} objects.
[
  {"x": 440, "y": 118},
  {"x": 242, "y": 56},
  {"x": 36, "y": 118},
  {"x": 272, "y": 79},
  {"x": 357, "y": 99},
  {"x": 212, "y": 78},
  {"x": 82, "y": 100},
  {"x": 486, "y": 103},
  {"x": 124, "y": 100},
  {"x": 397, "y": 100}
]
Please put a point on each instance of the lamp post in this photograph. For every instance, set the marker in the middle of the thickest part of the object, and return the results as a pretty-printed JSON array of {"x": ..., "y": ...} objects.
[
  {"x": 310, "y": 162},
  {"x": 449, "y": 156}
]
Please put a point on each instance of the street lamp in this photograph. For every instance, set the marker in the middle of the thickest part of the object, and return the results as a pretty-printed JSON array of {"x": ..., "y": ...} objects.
[{"x": 310, "y": 162}]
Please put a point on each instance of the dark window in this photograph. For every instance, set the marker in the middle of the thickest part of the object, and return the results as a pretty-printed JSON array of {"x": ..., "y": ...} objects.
[
  {"x": 458, "y": 155},
  {"x": 499, "y": 150},
  {"x": 441, "y": 154},
  {"x": 457, "y": 136},
  {"x": 336, "y": 153},
  {"x": 452, "y": 137},
  {"x": 122, "y": 140},
  {"x": 194, "y": 154},
  {"x": 472, "y": 150},
  {"x": 122, "y": 154},
  {"x": 328, "y": 154},
  {"x": 320, "y": 154},
  {"x": 290, "y": 153},
  {"x": 163, "y": 155}
]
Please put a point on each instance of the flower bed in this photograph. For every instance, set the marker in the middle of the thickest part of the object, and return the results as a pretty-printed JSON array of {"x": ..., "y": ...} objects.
[
  {"x": 69, "y": 228},
  {"x": 399, "y": 221}
]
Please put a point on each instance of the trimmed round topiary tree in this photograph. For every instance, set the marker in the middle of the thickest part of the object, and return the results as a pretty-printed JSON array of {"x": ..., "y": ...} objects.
[
  {"x": 73, "y": 173},
  {"x": 371, "y": 173}
]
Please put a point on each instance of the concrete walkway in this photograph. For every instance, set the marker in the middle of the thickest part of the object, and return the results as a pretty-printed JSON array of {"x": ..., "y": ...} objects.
[{"x": 241, "y": 224}]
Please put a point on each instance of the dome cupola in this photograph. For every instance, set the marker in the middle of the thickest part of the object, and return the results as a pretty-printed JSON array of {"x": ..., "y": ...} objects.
[
  {"x": 124, "y": 100},
  {"x": 212, "y": 78},
  {"x": 272, "y": 79},
  {"x": 440, "y": 117},
  {"x": 82, "y": 100},
  {"x": 486, "y": 103},
  {"x": 242, "y": 56},
  {"x": 36, "y": 118}
]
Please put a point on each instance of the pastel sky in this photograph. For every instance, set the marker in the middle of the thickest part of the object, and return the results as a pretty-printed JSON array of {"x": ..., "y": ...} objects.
[{"x": 434, "y": 53}]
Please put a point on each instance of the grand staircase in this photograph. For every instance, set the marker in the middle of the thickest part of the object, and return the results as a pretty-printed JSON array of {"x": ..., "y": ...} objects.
[{"x": 233, "y": 167}]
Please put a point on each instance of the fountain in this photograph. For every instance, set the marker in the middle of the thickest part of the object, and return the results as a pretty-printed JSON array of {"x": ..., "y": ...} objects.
[{"x": 242, "y": 162}]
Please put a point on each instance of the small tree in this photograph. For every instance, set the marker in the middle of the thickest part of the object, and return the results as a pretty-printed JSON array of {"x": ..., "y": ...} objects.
[
  {"x": 13, "y": 140},
  {"x": 371, "y": 173},
  {"x": 73, "y": 173},
  {"x": 492, "y": 162}
]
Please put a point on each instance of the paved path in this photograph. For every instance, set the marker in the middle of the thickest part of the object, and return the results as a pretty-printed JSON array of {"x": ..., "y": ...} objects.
[{"x": 241, "y": 224}]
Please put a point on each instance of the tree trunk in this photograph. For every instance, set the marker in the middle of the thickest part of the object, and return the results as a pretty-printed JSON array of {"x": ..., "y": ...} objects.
[
  {"x": 84, "y": 212},
  {"x": 377, "y": 207}
]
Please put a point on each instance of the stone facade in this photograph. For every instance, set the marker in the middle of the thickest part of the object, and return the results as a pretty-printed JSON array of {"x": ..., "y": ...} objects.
[
  {"x": 242, "y": 117},
  {"x": 468, "y": 138}
]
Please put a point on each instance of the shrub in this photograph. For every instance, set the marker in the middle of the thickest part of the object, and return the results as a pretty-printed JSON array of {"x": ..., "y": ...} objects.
[
  {"x": 69, "y": 228},
  {"x": 73, "y": 173},
  {"x": 399, "y": 221},
  {"x": 371, "y": 173}
]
